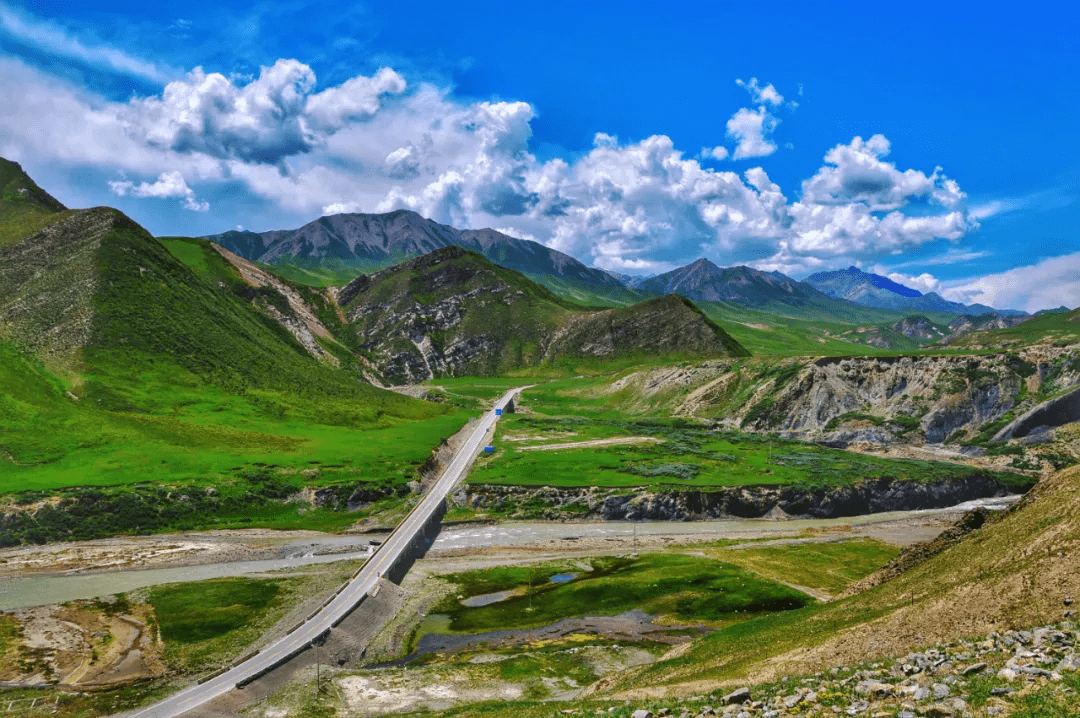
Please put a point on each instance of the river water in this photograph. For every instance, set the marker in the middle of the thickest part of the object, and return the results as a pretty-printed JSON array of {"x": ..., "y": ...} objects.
[
  {"x": 42, "y": 590},
  {"x": 518, "y": 533}
]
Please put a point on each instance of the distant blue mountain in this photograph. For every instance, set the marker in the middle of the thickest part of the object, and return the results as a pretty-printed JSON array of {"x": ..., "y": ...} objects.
[
  {"x": 874, "y": 290},
  {"x": 887, "y": 284}
]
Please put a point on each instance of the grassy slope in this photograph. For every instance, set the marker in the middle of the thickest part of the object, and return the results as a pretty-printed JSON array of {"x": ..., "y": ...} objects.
[
  {"x": 687, "y": 458},
  {"x": 1059, "y": 329},
  {"x": 1012, "y": 573},
  {"x": 830, "y": 566},
  {"x": 24, "y": 207},
  {"x": 183, "y": 380},
  {"x": 590, "y": 295},
  {"x": 813, "y": 330},
  {"x": 518, "y": 321}
]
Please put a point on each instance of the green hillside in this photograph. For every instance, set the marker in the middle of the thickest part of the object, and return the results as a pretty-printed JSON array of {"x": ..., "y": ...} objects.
[
  {"x": 591, "y": 295},
  {"x": 812, "y": 330},
  {"x": 454, "y": 313},
  {"x": 24, "y": 207},
  {"x": 1016, "y": 571},
  {"x": 120, "y": 364},
  {"x": 1058, "y": 329}
]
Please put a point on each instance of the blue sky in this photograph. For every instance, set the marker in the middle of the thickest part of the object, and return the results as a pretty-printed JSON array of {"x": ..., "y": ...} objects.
[{"x": 932, "y": 143}]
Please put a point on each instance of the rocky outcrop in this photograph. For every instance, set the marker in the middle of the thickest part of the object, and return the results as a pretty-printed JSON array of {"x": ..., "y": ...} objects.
[
  {"x": 918, "y": 328},
  {"x": 842, "y": 401},
  {"x": 452, "y": 313},
  {"x": 966, "y": 324},
  {"x": 298, "y": 318},
  {"x": 670, "y": 324},
  {"x": 872, "y": 496},
  {"x": 1053, "y": 413}
]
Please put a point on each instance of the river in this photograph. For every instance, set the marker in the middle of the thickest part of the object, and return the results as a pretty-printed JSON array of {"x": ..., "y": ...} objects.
[{"x": 46, "y": 589}]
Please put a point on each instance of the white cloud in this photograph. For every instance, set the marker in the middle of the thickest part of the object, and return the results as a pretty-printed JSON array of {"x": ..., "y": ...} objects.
[
  {"x": 404, "y": 162},
  {"x": 168, "y": 184},
  {"x": 924, "y": 282},
  {"x": 53, "y": 122},
  {"x": 58, "y": 41},
  {"x": 264, "y": 121},
  {"x": 355, "y": 99},
  {"x": 372, "y": 144},
  {"x": 516, "y": 233},
  {"x": 853, "y": 208},
  {"x": 856, "y": 172},
  {"x": 752, "y": 130},
  {"x": 988, "y": 209},
  {"x": 714, "y": 153},
  {"x": 762, "y": 95},
  {"x": 1050, "y": 283}
]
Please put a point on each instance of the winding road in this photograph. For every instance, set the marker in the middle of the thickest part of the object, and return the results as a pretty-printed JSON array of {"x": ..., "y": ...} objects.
[{"x": 362, "y": 584}]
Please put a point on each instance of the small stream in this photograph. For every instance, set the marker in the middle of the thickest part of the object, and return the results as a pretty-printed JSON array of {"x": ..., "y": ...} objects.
[{"x": 42, "y": 590}]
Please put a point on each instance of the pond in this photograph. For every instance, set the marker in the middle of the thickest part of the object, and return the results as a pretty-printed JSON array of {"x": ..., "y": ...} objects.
[{"x": 486, "y": 599}]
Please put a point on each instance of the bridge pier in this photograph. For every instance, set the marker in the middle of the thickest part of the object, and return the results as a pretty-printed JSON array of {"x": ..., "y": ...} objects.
[{"x": 418, "y": 547}]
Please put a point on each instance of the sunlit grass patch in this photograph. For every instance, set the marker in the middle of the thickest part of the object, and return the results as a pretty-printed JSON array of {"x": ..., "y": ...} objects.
[
  {"x": 680, "y": 588},
  {"x": 829, "y": 566}
]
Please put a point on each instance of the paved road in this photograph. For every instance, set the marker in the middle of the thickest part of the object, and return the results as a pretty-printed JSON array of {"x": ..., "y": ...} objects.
[{"x": 395, "y": 545}]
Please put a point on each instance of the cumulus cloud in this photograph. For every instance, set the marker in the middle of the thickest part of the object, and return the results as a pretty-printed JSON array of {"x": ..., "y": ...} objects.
[
  {"x": 854, "y": 207},
  {"x": 1050, "y": 283},
  {"x": 762, "y": 95},
  {"x": 376, "y": 144},
  {"x": 856, "y": 172},
  {"x": 270, "y": 118},
  {"x": 168, "y": 185},
  {"x": 714, "y": 153},
  {"x": 404, "y": 162},
  {"x": 752, "y": 130},
  {"x": 924, "y": 282},
  {"x": 355, "y": 99}
]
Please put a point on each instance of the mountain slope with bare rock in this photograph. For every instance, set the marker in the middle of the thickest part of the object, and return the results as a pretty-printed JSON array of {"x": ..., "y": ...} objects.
[{"x": 453, "y": 312}]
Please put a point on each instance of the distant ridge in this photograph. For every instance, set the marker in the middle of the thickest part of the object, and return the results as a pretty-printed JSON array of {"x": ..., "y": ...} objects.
[
  {"x": 704, "y": 281},
  {"x": 370, "y": 242},
  {"x": 874, "y": 290}
]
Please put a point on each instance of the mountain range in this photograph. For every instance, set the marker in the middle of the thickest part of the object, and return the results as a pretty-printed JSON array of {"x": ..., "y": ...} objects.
[
  {"x": 704, "y": 281},
  {"x": 355, "y": 243},
  {"x": 874, "y": 290},
  {"x": 453, "y": 312},
  {"x": 91, "y": 290},
  {"x": 334, "y": 249}
]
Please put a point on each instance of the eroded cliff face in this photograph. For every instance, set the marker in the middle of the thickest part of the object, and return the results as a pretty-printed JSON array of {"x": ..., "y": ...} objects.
[
  {"x": 298, "y": 317},
  {"x": 873, "y": 496},
  {"x": 876, "y": 400}
]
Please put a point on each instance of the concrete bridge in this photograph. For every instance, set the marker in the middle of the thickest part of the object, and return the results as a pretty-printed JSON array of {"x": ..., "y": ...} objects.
[{"x": 388, "y": 565}]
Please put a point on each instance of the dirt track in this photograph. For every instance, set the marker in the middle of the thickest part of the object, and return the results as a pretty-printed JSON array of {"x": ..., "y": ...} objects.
[{"x": 621, "y": 441}]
